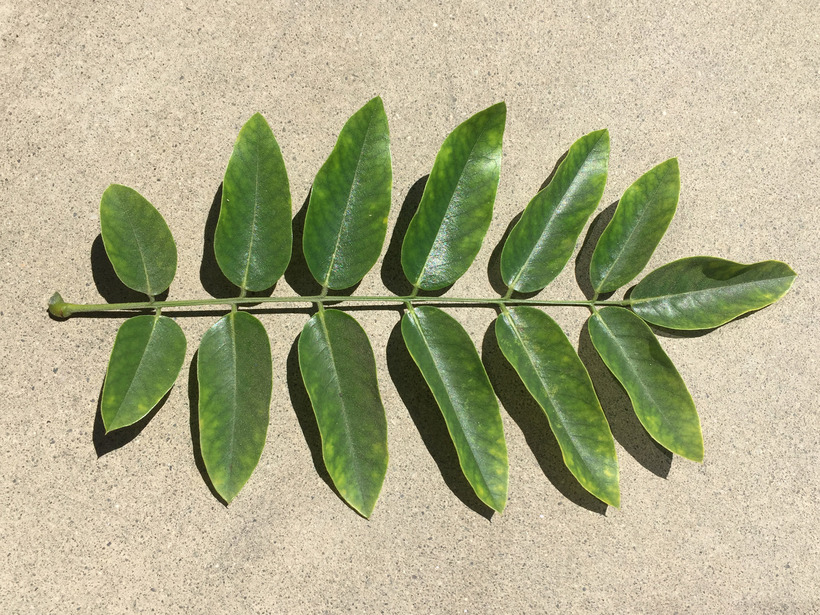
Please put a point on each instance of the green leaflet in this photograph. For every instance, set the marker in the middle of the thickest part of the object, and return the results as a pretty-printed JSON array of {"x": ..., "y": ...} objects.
[
  {"x": 658, "y": 394},
  {"x": 555, "y": 376},
  {"x": 145, "y": 362},
  {"x": 253, "y": 237},
  {"x": 454, "y": 214},
  {"x": 339, "y": 372},
  {"x": 453, "y": 370},
  {"x": 346, "y": 219},
  {"x": 234, "y": 371},
  {"x": 137, "y": 241},
  {"x": 702, "y": 292},
  {"x": 542, "y": 241},
  {"x": 641, "y": 218}
]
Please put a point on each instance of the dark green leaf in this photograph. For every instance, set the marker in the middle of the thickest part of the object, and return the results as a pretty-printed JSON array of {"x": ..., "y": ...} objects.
[
  {"x": 453, "y": 370},
  {"x": 446, "y": 232},
  {"x": 542, "y": 241},
  {"x": 339, "y": 372},
  {"x": 702, "y": 292},
  {"x": 145, "y": 362},
  {"x": 550, "y": 368},
  {"x": 659, "y": 396},
  {"x": 137, "y": 241},
  {"x": 347, "y": 216},
  {"x": 642, "y": 217},
  {"x": 253, "y": 237},
  {"x": 235, "y": 380}
]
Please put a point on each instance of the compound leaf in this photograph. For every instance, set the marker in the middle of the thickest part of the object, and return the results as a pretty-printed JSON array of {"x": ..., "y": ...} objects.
[
  {"x": 702, "y": 292},
  {"x": 346, "y": 219},
  {"x": 145, "y": 362},
  {"x": 137, "y": 240},
  {"x": 339, "y": 372},
  {"x": 453, "y": 370},
  {"x": 658, "y": 394},
  {"x": 541, "y": 242},
  {"x": 234, "y": 371},
  {"x": 253, "y": 237},
  {"x": 456, "y": 207},
  {"x": 555, "y": 376},
  {"x": 641, "y": 218}
]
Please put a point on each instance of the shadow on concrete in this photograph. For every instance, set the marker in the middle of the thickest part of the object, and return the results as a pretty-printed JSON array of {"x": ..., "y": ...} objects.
[
  {"x": 533, "y": 423},
  {"x": 298, "y": 275},
  {"x": 104, "y": 443},
  {"x": 494, "y": 264},
  {"x": 210, "y": 275},
  {"x": 625, "y": 426},
  {"x": 300, "y": 401},
  {"x": 108, "y": 284},
  {"x": 422, "y": 407},
  {"x": 193, "y": 402},
  {"x": 393, "y": 276},
  {"x": 584, "y": 257}
]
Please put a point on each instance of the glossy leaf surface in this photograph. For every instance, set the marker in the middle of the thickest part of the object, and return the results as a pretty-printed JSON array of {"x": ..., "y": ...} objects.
[
  {"x": 253, "y": 237},
  {"x": 145, "y": 362},
  {"x": 658, "y": 394},
  {"x": 641, "y": 218},
  {"x": 137, "y": 240},
  {"x": 234, "y": 371},
  {"x": 542, "y": 241},
  {"x": 339, "y": 372},
  {"x": 453, "y": 370},
  {"x": 702, "y": 292},
  {"x": 555, "y": 376},
  {"x": 346, "y": 219},
  {"x": 446, "y": 231}
]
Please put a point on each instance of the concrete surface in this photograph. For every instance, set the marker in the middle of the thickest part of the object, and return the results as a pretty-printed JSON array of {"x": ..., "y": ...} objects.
[{"x": 152, "y": 94}]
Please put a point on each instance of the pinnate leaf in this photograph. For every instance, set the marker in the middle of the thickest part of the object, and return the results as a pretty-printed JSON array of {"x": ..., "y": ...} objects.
[
  {"x": 346, "y": 219},
  {"x": 453, "y": 370},
  {"x": 145, "y": 362},
  {"x": 234, "y": 371},
  {"x": 542, "y": 241},
  {"x": 702, "y": 292},
  {"x": 253, "y": 237},
  {"x": 555, "y": 376},
  {"x": 456, "y": 208},
  {"x": 339, "y": 372},
  {"x": 641, "y": 218},
  {"x": 137, "y": 241},
  {"x": 658, "y": 394}
]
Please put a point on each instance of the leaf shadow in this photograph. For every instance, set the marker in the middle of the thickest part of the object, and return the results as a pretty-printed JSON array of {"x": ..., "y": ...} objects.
[
  {"x": 425, "y": 413},
  {"x": 584, "y": 256},
  {"x": 557, "y": 164},
  {"x": 298, "y": 275},
  {"x": 193, "y": 403},
  {"x": 210, "y": 275},
  {"x": 494, "y": 264},
  {"x": 300, "y": 401},
  {"x": 105, "y": 443},
  {"x": 105, "y": 278},
  {"x": 625, "y": 426},
  {"x": 392, "y": 273},
  {"x": 533, "y": 423}
]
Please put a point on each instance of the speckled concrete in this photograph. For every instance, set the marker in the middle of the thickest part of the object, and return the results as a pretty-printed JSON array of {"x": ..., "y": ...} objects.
[{"x": 152, "y": 94}]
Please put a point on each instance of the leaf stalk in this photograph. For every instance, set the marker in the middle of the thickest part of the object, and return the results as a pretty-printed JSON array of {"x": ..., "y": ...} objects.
[{"x": 59, "y": 308}]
